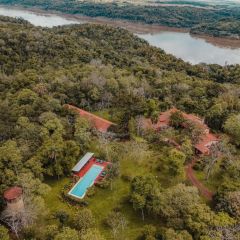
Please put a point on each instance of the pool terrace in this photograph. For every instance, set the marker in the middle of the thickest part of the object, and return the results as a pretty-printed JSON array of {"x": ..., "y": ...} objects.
[{"x": 89, "y": 170}]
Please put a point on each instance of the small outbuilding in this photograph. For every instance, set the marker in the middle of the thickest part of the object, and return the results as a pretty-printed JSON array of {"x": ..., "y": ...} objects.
[
  {"x": 14, "y": 198},
  {"x": 82, "y": 162}
]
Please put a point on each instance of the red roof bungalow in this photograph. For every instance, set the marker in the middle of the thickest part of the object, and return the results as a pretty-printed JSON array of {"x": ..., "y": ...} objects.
[
  {"x": 12, "y": 193},
  {"x": 14, "y": 198},
  {"x": 102, "y": 125},
  {"x": 207, "y": 139}
]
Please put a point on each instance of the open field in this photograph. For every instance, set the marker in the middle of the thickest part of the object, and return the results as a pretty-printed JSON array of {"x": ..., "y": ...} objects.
[{"x": 105, "y": 200}]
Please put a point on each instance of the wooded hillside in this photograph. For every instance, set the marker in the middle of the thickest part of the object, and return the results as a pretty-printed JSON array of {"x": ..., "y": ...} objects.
[
  {"x": 220, "y": 21},
  {"x": 113, "y": 73}
]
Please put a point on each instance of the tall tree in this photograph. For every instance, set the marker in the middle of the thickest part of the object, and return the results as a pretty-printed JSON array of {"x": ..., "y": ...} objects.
[
  {"x": 139, "y": 202},
  {"x": 230, "y": 203},
  {"x": 170, "y": 234},
  {"x": 84, "y": 219},
  {"x": 222, "y": 150},
  {"x": 82, "y": 132},
  {"x": 149, "y": 232},
  {"x": 10, "y": 163},
  {"x": 177, "y": 119},
  {"x": 91, "y": 234},
  {"x": 67, "y": 234},
  {"x": 176, "y": 160},
  {"x": 144, "y": 191},
  {"x": 118, "y": 223},
  {"x": 4, "y": 233},
  {"x": 232, "y": 127},
  {"x": 113, "y": 172}
]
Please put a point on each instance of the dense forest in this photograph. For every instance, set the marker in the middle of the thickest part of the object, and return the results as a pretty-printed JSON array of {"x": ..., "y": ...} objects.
[
  {"x": 215, "y": 21},
  {"x": 119, "y": 76}
]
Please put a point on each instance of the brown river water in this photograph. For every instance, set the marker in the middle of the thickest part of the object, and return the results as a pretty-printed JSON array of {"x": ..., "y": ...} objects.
[{"x": 193, "y": 49}]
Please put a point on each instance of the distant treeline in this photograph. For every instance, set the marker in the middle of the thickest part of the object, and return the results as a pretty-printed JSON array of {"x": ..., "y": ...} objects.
[{"x": 220, "y": 22}]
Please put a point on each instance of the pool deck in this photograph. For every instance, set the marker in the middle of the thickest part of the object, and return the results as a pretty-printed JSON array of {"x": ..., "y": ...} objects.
[
  {"x": 87, "y": 185},
  {"x": 80, "y": 175},
  {"x": 92, "y": 162}
]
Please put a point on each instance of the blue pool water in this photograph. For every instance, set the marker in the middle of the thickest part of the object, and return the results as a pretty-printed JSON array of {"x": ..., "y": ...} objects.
[{"x": 85, "y": 182}]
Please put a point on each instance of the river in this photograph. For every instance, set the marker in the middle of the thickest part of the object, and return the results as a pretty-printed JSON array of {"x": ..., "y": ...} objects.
[
  {"x": 38, "y": 19},
  {"x": 181, "y": 44},
  {"x": 192, "y": 49}
]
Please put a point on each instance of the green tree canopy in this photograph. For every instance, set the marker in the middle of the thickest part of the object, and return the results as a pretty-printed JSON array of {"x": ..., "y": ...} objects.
[
  {"x": 4, "y": 233},
  {"x": 232, "y": 127},
  {"x": 67, "y": 234},
  {"x": 84, "y": 219}
]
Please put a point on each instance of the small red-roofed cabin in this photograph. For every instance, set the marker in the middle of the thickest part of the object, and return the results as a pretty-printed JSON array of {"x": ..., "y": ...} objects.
[
  {"x": 101, "y": 124},
  {"x": 13, "y": 198}
]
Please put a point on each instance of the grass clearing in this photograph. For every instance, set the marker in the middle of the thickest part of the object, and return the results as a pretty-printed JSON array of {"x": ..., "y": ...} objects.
[
  {"x": 105, "y": 200},
  {"x": 53, "y": 200},
  {"x": 215, "y": 179}
]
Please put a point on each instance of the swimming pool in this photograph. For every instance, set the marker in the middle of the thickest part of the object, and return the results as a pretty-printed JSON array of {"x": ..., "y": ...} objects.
[{"x": 80, "y": 188}]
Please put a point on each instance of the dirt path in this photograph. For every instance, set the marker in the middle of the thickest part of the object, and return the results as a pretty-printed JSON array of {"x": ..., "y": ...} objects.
[{"x": 191, "y": 176}]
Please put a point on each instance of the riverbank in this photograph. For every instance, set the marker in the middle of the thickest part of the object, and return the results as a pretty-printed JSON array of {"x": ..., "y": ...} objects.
[
  {"x": 131, "y": 26},
  {"x": 138, "y": 28}
]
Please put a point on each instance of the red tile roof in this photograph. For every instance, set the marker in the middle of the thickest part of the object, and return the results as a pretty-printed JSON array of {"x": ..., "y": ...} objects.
[
  {"x": 102, "y": 125},
  {"x": 205, "y": 143},
  {"x": 164, "y": 121},
  {"x": 12, "y": 193},
  {"x": 164, "y": 118}
]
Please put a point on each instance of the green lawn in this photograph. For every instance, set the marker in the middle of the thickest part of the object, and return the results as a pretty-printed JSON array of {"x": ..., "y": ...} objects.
[
  {"x": 214, "y": 180},
  {"x": 105, "y": 200},
  {"x": 52, "y": 199}
]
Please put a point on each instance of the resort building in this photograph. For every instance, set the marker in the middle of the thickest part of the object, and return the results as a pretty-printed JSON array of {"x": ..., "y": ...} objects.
[
  {"x": 206, "y": 140},
  {"x": 101, "y": 124},
  {"x": 89, "y": 170},
  {"x": 14, "y": 199},
  {"x": 205, "y": 143}
]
